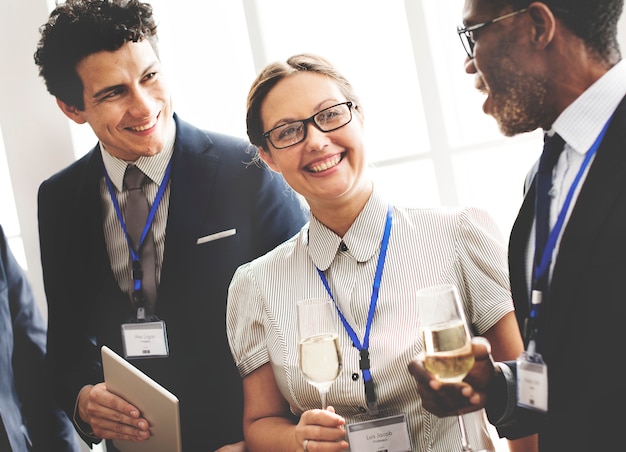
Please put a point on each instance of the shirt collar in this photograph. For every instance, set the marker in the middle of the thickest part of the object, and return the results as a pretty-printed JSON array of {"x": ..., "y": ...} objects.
[
  {"x": 154, "y": 167},
  {"x": 362, "y": 239},
  {"x": 581, "y": 122}
]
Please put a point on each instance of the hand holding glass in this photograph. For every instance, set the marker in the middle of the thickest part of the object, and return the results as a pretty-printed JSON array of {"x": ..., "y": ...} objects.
[
  {"x": 446, "y": 336},
  {"x": 319, "y": 356}
]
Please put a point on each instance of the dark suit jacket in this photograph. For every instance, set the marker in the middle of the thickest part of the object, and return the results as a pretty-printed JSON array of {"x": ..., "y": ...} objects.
[
  {"x": 25, "y": 410},
  {"x": 583, "y": 333},
  {"x": 213, "y": 189}
]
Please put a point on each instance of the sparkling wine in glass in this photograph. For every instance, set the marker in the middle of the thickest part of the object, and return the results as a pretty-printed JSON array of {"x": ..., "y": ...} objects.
[
  {"x": 447, "y": 339},
  {"x": 319, "y": 356}
]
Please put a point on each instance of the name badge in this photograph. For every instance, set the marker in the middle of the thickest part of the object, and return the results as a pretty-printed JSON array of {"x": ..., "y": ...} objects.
[
  {"x": 532, "y": 382},
  {"x": 385, "y": 434},
  {"x": 145, "y": 340}
]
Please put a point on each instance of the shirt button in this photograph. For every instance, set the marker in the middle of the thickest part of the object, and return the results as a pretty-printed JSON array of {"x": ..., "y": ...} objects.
[
  {"x": 362, "y": 410},
  {"x": 343, "y": 247},
  {"x": 355, "y": 377}
]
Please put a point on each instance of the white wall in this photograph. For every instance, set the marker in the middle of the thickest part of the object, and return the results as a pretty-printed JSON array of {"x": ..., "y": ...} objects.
[{"x": 37, "y": 139}]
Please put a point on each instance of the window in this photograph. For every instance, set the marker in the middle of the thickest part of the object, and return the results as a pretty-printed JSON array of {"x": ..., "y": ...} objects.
[{"x": 401, "y": 55}]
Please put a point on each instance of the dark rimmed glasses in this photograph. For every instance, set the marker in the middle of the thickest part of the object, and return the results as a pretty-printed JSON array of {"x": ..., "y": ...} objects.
[
  {"x": 466, "y": 34},
  {"x": 326, "y": 120}
]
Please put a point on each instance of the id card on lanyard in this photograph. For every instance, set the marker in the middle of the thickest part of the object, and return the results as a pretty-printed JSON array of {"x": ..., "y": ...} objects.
[
  {"x": 145, "y": 340},
  {"x": 142, "y": 337},
  {"x": 532, "y": 371},
  {"x": 381, "y": 431},
  {"x": 388, "y": 433}
]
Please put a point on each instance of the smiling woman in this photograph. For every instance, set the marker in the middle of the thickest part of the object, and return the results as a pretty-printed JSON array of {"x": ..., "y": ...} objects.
[{"x": 350, "y": 221}]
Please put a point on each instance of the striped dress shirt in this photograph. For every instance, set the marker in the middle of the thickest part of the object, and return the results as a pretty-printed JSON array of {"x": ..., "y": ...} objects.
[{"x": 117, "y": 247}]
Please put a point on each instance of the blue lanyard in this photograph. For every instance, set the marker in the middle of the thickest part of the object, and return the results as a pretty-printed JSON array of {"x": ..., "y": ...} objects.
[
  {"x": 364, "y": 362},
  {"x": 540, "y": 272},
  {"x": 157, "y": 200}
]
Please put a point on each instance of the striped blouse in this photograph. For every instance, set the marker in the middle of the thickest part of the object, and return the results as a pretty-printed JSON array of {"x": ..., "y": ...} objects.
[{"x": 426, "y": 247}]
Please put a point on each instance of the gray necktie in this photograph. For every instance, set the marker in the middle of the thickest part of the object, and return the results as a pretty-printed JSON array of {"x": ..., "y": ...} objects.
[{"x": 135, "y": 217}]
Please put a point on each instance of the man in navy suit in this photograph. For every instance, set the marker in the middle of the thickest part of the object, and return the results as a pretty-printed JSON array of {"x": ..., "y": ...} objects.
[
  {"x": 556, "y": 65},
  {"x": 28, "y": 420},
  {"x": 212, "y": 209}
]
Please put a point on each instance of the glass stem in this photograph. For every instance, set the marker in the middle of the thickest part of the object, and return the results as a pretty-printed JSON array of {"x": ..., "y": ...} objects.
[
  {"x": 464, "y": 441},
  {"x": 323, "y": 394}
]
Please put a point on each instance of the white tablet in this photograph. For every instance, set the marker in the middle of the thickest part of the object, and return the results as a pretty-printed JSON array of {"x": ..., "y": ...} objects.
[{"x": 156, "y": 404}]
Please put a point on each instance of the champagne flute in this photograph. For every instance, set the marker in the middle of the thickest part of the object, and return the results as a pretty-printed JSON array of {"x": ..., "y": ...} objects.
[
  {"x": 319, "y": 356},
  {"x": 447, "y": 340}
]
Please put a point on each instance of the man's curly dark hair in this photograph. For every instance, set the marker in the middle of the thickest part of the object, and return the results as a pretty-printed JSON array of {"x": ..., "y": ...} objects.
[{"x": 79, "y": 28}]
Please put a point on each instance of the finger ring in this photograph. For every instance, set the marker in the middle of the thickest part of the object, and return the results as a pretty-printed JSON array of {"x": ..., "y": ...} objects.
[{"x": 305, "y": 443}]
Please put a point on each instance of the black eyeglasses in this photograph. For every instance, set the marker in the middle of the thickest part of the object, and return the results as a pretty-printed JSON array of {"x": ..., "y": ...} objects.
[
  {"x": 326, "y": 120},
  {"x": 467, "y": 33}
]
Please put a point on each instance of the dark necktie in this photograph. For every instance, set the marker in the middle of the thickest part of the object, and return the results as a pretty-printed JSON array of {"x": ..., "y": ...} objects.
[
  {"x": 135, "y": 217},
  {"x": 552, "y": 148}
]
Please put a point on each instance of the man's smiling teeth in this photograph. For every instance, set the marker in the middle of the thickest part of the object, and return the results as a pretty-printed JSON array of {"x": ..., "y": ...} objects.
[
  {"x": 326, "y": 164},
  {"x": 142, "y": 128}
]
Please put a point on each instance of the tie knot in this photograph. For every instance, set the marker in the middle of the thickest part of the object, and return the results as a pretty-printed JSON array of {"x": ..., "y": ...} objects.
[
  {"x": 552, "y": 147},
  {"x": 133, "y": 178}
]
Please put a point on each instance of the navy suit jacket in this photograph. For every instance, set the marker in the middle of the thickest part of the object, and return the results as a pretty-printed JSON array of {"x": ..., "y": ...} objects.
[
  {"x": 213, "y": 188},
  {"x": 583, "y": 329},
  {"x": 30, "y": 421}
]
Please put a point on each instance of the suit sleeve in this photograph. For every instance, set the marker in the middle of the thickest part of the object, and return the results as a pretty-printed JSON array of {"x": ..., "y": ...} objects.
[
  {"x": 511, "y": 421},
  {"x": 48, "y": 427},
  {"x": 279, "y": 212}
]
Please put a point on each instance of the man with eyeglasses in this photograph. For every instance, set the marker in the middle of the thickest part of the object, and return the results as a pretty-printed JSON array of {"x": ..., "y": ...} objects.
[{"x": 555, "y": 65}]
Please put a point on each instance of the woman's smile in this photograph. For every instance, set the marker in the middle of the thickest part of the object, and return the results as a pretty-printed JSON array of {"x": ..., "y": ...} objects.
[{"x": 325, "y": 164}]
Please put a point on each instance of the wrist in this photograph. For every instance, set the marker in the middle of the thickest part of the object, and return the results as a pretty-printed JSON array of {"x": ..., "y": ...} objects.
[
  {"x": 495, "y": 406},
  {"x": 80, "y": 413}
]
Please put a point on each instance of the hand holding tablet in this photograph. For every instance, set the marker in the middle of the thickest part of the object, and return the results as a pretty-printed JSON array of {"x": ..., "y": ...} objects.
[{"x": 159, "y": 406}]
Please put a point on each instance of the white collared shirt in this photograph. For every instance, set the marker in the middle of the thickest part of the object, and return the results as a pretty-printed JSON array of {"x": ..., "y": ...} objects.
[{"x": 579, "y": 125}]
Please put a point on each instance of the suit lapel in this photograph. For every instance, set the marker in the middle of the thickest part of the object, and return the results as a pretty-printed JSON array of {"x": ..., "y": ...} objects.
[
  {"x": 89, "y": 222},
  {"x": 193, "y": 174},
  {"x": 605, "y": 182},
  {"x": 597, "y": 197},
  {"x": 582, "y": 235},
  {"x": 518, "y": 243}
]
